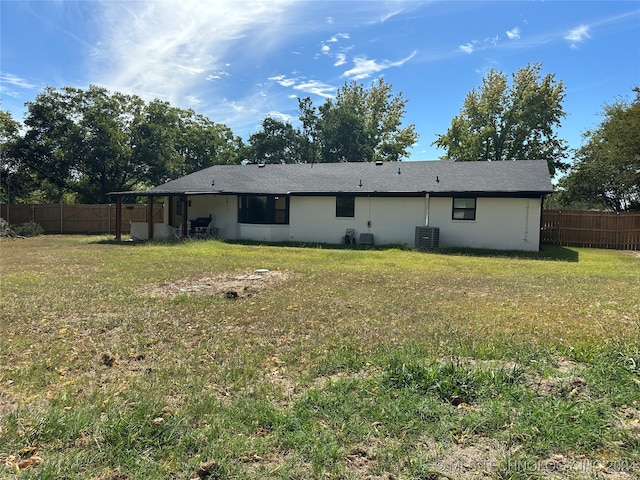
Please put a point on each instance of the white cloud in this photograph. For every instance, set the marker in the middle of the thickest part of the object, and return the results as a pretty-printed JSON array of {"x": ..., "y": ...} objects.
[
  {"x": 193, "y": 100},
  {"x": 338, "y": 36},
  {"x": 283, "y": 81},
  {"x": 364, "y": 68},
  {"x": 165, "y": 49},
  {"x": 314, "y": 87},
  {"x": 341, "y": 59},
  {"x": 514, "y": 33},
  {"x": 16, "y": 81},
  {"x": 284, "y": 117},
  {"x": 317, "y": 87},
  {"x": 326, "y": 49},
  {"x": 389, "y": 15},
  {"x": 217, "y": 75},
  {"x": 474, "y": 45},
  {"x": 190, "y": 69},
  {"x": 466, "y": 48},
  {"x": 578, "y": 35},
  {"x": 8, "y": 80}
]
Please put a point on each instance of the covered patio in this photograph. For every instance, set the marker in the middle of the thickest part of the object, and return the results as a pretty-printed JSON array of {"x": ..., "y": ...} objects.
[{"x": 150, "y": 230}]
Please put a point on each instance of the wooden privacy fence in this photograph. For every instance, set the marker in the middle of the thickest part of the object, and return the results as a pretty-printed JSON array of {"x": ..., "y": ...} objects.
[
  {"x": 67, "y": 218},
  {"x": 576, "y": 228}
]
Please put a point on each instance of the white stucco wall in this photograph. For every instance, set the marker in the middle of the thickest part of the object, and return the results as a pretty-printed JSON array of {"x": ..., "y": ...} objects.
[
  {"x": 393, "y": 220},
  {"x": 501, "y": 224}
]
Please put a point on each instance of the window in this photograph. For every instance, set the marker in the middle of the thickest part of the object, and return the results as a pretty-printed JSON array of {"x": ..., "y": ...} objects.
[
  {"x": 345, "y": 206},
  {"x": 464, "y": 209},
  {"x": 263, "y": 209}
]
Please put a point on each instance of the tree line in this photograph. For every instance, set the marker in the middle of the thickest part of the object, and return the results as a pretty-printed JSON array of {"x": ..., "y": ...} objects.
[{"x": 77, "y": 145}]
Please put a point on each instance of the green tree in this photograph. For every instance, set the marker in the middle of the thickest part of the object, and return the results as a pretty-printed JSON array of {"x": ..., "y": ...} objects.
[
  {"x": 308, "y": 116},
  {"x": 606, "y": 169},
  {"x": 499, "y": 121},
  {"x": 277, "y": 142},
  {"x": 77, "y": 141},
  {"x": 203, "y": 143},
  {"x": 359, "y": 125},
  {"x": 18, "y": 185},
  {"x": 87, "y": 143},
  {"x": 9, "y": 133}
]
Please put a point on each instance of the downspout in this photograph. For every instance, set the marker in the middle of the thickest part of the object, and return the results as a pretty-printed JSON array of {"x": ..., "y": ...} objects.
[
  {"x": 426, "y": 209},
  {"x": 540, "y": 222},
  {"x": 526, "y": 221}
]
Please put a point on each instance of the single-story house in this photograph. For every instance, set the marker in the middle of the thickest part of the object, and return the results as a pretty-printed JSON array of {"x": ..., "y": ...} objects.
[{"x": 496, "y": 205}]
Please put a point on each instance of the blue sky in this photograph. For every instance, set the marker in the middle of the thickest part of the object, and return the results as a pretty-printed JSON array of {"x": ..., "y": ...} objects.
[{"x": 238, "y": 61}]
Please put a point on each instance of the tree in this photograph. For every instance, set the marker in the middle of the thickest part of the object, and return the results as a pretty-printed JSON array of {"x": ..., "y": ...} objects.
[
  {"x": 502, "y": 122},
  {"x": 277, "y": 142},
  {"x": 309, "y": 118},
  {"x": 359, "y": 125},
  {"x": 9, "y": 133},
  {"x": 606, "y": 169},
  {"x": 88, "y": 143},
  {"x": 203, "y": 143}
]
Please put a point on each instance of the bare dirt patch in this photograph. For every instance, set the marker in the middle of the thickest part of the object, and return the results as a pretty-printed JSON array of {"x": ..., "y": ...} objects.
[
  {"x": 476, "y": 457},
  {"x": 568, "y": 387},
  {"x": 567, "y": 384},
  {"x": 233, "y": 285}
]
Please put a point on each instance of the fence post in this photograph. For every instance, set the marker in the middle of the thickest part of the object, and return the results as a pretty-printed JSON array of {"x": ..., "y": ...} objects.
[
  {"x": 119, "y": 218},
  {"x": 559, "y": 227}
]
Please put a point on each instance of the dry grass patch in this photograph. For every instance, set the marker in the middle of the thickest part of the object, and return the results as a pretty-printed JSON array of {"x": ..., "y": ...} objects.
[
  {"x": 132, "y": 361},
  {"x": 238, "y": 284},
  {"x": 477, "y": 457}
]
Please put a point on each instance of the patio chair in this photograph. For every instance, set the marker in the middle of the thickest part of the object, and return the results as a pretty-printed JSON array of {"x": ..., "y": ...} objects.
[{"x": 349, "y": 237}]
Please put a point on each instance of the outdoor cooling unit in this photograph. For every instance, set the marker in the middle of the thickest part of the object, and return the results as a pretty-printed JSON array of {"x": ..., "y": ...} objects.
[{"x": 427, "y": 237}]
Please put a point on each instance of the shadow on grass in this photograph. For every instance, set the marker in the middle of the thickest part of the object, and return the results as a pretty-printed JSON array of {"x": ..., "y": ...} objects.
[
  {"x": 547, "y": 251},
  {"x": 137, "y": 243}
]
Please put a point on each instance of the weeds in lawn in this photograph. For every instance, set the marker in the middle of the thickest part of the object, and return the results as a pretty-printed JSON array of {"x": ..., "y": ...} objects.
[{"x": 353, "y": 364}]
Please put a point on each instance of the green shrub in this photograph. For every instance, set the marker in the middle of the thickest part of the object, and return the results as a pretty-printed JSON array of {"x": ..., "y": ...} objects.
[{"x": 29, "y": 229}]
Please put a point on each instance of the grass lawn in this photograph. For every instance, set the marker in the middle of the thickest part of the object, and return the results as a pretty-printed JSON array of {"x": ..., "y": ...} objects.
[{"x": 127, "y": 361}]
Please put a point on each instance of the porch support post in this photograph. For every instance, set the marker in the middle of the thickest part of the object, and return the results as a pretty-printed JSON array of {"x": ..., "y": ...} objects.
[
  {"x": 118, "y": 218},
  {"x": 150, "y": 218},
  {"x": 185, "y": 204},
  {"x": 170, "y": 214}
]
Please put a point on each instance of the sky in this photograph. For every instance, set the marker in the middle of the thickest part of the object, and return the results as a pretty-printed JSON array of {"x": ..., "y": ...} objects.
[{"x": 239, "y": 61}]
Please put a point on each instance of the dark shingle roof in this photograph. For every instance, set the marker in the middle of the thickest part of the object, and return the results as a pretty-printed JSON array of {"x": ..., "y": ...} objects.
[{"x": 402, "y": 178}]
